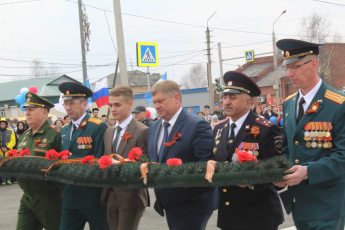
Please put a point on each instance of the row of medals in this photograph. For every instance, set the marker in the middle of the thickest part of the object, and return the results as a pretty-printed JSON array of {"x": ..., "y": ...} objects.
[
  {"x": 84, "y": 146},
  {"x": 317, "y": 137}
]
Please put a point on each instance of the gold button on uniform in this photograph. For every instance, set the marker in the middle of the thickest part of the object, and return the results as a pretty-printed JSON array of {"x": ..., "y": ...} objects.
[
  {"x": 224, "y": 190},
  {"x": 227, "y": 203},
  {"x": 296, "y": 142},
  {"x": 296, "y": 161}
]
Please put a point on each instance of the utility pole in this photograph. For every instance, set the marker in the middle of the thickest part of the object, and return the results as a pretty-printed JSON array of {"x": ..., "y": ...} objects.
[
  {"x": 275, "y": 64},
  {"x": 120, "y": 42},
  {"x": 82, "y": 40},
  {"x": 220, "y": 64},
  {"x": 209, "y": 72}
]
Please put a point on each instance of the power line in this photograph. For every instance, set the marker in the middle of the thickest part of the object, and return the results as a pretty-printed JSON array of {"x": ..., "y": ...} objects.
[
  {"x": 332, "y": 3},
  {"x": 10, "y": 3}
]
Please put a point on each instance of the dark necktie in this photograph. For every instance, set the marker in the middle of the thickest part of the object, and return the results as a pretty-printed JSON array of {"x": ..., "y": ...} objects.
[
  {"x": 300, "y": 110},
  {"x": 118, "y": 130},
  {"x": 232, "y": 135},
  {"x": 165, "y": 137},
  {"x": 74, "y": 129}
]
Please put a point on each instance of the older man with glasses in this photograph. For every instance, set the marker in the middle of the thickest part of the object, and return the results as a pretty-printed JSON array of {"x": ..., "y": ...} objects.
[
  {"x": 82, "y": 136},
  {"x": 314, "y": 134}
]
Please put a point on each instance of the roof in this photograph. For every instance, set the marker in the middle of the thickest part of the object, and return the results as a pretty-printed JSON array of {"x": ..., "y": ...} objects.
[
  {"x": 135, "y": 78},
  {"x": 269, "y": 80},
  {"x": 46, "y": 87},
  {"x": 255, "y": 69}
]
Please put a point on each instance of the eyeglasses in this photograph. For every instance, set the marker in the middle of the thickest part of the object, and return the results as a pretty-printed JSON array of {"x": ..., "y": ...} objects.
[
  {"x": 294, "y": 67},
  {"x": 70, "y": 104}
]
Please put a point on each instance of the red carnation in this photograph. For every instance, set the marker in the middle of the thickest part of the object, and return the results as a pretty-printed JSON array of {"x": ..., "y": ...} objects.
[
  {"x": 104, "y": 162},
  {"x": 52, "y": 154},
  {"x": 135, "y": 153},
  {"x": 64, "y": 154},
  {"x": 12, "y": 153},
  {"x": 24, "y": 152},
  {"x": 87, "y": 160},
  {"x": 243, "y": 156},
  {"x": 174, "y": 162}
]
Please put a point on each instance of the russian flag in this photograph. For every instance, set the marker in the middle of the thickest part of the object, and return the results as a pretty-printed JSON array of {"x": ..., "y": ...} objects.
[
  {"x": 89, "y": 100},
  {"x": 100, "y": 94},
  {"x": 148, "y": 96}
]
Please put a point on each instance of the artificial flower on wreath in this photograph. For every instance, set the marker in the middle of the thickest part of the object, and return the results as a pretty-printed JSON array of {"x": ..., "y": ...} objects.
[
  {"x": 88, "y": 160},
  {"x": 105, "y": 161},
  {"x": 136, "y": 154},
  {"x": 174, "y": 162},
  {"x": 24, "y": 152},
  {"x": 244, "y": 156},
  {"x": 13, "y": 153}
]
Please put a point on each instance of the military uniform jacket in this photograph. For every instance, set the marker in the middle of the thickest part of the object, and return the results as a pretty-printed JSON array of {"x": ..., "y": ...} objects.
[
  {"x": 322, "y": 195},
  {"x": 90, "y": 135},
  {"x": 46, "y": 138},
  {"x": 245, "y": 208}
]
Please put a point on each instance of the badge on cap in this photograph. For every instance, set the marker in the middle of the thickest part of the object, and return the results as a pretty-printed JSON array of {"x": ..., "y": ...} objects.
[
  {"x": 287, "y": 54},
  {"x": 230, "y": 83}
]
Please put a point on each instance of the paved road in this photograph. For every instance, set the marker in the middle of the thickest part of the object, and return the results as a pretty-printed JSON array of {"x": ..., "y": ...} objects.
[{"x": 11, "y": 194}]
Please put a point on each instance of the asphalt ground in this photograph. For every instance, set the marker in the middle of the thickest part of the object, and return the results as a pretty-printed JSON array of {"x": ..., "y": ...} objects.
[{"x": 10, "y": 196}]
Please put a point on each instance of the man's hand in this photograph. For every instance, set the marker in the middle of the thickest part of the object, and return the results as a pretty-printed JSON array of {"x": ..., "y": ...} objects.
[
  {"x": 243, "y": 185},
  {"x": 299, "y": 173},
  {"x": 4, "y": 149}
]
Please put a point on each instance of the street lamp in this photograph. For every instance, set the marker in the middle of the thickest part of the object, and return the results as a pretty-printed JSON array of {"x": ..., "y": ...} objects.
[{"x": 276, "y": 87}]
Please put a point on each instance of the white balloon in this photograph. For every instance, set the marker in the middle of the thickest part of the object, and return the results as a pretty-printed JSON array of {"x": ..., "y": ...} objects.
[
  {"x": 153, "y": 112},
  {"x": 24, "y": 89}
]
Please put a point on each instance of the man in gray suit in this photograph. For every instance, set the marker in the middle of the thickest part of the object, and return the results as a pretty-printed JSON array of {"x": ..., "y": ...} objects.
[{"x": 125, "y": 207}]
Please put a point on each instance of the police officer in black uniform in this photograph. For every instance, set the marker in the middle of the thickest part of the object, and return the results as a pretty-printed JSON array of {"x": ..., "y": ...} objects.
[{"x": 246, "y": 206}]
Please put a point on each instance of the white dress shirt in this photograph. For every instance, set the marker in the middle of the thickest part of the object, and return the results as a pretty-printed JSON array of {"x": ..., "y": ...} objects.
[
  {"x": 123, "y": 126},
  {"x": 161, "y": 132},
  {"x": 308, "y": 97},
  {"x": 238, "y": 123},
  {"x": 77, "y": 124}
]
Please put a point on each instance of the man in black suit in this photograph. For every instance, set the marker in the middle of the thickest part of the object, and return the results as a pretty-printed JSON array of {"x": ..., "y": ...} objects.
[
  {"x": 246, "y": 206},
  {"x": 186, "y": 208}
]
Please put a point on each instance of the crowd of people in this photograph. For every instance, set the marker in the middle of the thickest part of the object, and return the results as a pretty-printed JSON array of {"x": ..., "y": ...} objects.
[{"x": 312, "y": 140}]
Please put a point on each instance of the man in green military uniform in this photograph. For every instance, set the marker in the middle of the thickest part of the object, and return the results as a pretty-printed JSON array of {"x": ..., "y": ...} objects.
[
  {"x": 82, "y": 136},
  {"x": 314, "y": 141},
  {"x": 40, "y": 205}
]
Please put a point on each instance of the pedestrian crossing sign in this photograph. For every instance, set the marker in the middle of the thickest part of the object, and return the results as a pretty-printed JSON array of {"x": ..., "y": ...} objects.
[
  {"x": 249, "y": 55},
  {"x": 147, "y": 54}
]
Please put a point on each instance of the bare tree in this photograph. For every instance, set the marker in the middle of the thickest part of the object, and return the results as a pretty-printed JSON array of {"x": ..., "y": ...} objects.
[
  {"x": 38, "y": 69},
  {"x": 195, "y": 78},
  {"x": 316, "y": 28}
]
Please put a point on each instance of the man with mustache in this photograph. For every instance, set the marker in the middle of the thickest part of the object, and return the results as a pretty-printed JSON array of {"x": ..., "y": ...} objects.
[{"x": 246, "y": 206}]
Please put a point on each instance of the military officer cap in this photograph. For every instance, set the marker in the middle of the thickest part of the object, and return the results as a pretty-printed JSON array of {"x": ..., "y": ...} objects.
[
  {"x": 72, "y": 90},
  {"x": 295, "y": 50},
  {"x": 236, "y": 82},
  {"x": 35, "y": 101}
]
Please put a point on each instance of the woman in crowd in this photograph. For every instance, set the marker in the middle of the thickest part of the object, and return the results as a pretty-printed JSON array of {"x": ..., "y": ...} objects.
[
  {"x": 201, "y": 114},
  {"x": 21, "y": 128},
  {"x": 59, "y": 123},
  {"x": 259, "y": 111}
]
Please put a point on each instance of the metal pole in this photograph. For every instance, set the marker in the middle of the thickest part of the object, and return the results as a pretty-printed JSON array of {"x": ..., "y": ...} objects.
[
  {"x": 209, "y": 74},
  {"x": 82, "y": 41},
  {"x": 220, "y": 64},
  {"x": 120, "y": 42},
  {"x": 276, "y": 86}
]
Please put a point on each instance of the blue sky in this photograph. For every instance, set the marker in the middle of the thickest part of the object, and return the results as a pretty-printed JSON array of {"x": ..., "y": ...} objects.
[{"x": 48, "y": 30}]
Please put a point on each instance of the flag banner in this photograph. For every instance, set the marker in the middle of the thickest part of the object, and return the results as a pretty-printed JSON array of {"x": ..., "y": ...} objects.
[
  {"x": 100, "y": 95},
  {"x": 89, "y": 100},
  {"x": 148, "y": 95}
]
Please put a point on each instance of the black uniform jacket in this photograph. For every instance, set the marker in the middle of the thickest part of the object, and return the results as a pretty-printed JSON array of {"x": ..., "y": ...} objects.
[{"x": 248, "y": 208}]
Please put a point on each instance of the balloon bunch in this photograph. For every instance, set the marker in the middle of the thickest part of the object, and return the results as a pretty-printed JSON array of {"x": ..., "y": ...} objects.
[
  {"x": 275, "y": 121},
  {"x": 20, "y": 99}
]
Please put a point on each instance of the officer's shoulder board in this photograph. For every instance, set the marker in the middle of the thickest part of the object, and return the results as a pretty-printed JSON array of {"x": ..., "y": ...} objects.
[
  {"x": 55, "y": 128},
  {"x": 335, "y": 97},
  {"x": 289, "y": 97},
  {"x": 94, "y": 120},
  {"x": 27, "y": 131},
  {"x": 222, "y": 122},
  {"x": 263, "y": 121}
]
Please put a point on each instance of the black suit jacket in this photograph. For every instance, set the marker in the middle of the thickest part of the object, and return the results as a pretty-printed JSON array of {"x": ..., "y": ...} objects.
[{"x": 245, "y": 208}]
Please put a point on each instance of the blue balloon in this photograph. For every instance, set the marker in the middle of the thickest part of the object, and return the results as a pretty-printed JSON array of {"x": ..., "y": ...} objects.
[
  {"x": 21, "y": 107},
  {"x": 23, "y": 97},
  {"x": 273, "y": 119},
  {"x": 18, "y": 99},
  {"x": 281, "y": 122}
]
